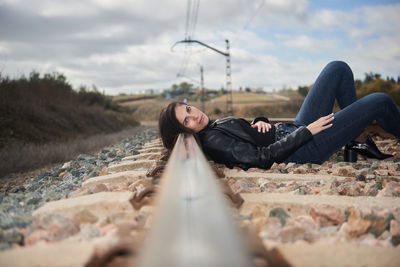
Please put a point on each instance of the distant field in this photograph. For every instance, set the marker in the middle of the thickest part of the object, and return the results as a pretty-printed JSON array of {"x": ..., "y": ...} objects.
[
  {"x": 245, "y": 97},
  {"x": 129, "y": 98}
]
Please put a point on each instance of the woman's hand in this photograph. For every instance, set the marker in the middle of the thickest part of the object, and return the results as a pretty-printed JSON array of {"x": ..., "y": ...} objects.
[
  {"x": 321, "y": 124},
  {"x": 262, "y": 126}
]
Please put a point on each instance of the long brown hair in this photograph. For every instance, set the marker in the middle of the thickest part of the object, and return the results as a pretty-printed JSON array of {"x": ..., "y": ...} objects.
[{"x": 170, "y": 127}]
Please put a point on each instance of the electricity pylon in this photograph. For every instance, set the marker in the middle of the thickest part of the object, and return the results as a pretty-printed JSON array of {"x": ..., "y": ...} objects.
[{"x": 229, "y": 99}]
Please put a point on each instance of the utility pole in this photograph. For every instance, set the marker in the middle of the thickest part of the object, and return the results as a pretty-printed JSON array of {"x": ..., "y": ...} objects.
[
  {"x": 203, "y": 93},
  {"x": 229, "y": 100},
  {"x": 229, "y": 97}
]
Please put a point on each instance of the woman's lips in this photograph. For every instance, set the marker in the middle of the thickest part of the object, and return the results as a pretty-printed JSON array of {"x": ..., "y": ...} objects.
[{"x": 201, "y": 119}]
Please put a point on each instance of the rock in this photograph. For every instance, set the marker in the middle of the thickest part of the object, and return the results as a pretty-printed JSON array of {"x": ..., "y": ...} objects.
[
  {"x": 271, "y": 229},
  {"x": 131, "y": 165},
  {"x": 242, "y": 186},
  {"x": 371, "y": 189},
  {"x": 104, "y": 205},
  {"x": 329, "y": 230},
  {"x": 370, "y": 176},
  {"x": 51, "y": 227},
  {"x": 326, "y": 215},
  {"x": 62, "y": 174},
  {"x": 355, "y": 225},
  {"x": 64, "y": 253},
  {"x": 66, "y": 165},
  {"x": 300, "y": 170},
  {"x": 351, "y": 188},
  {"x": 368, "y": 240},
  {"x": 34, "y": 198},
  {"x": 395, "y": 232},
  {"x": 258, "y": 217},
  {"x": 271, "y": 186},
  {"x": 95, "y": 171},
  {"x": 262, "y": 181},
  {"x": 84, "y": 157},
  {"x": 141, "y": 183},
  {"x": 6, "y": 221},
  {"x": 381, "y": 173},
  {"x": 89, "y": 232},
  {"x": 257, "y": 212},
  {"x": 392, "y": 189},
  {"x": 36, "y": 236},
  {"x": 385, "y": 236},
  {"x": 290, "y": 165},
  {"x": 374, "y": 165},
  {"x": 396, "y": 213},
  {"x": 301, "y": 228},
  {"x": 347, "y": 171},
  {"x": 22, "y": 220},
  {"x": 100, "y": 188},
  {"x": 85, "y": 216},
  {"x": 108, "y": 228},
  {"x": 378, "y": 224},
  {"x": 4, "y": 245},
  {"x": 302, "y": 190},
  {"x": 11, "y": 236},
  {"x": 280, "y": 214},
  {"x": 114, "y": 179}
]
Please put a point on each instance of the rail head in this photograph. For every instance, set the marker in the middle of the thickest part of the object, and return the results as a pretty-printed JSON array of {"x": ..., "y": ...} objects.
[{"x": 192, "y": 224}]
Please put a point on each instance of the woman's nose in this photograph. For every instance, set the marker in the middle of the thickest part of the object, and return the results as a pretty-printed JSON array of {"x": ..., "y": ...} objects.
[{"x": 194, "y": 116}]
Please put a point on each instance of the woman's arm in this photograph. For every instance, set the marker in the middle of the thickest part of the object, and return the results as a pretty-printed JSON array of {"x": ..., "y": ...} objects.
[
  {"x": 232, "y": 152},
  {"x": 321, "y": 124},
  {"x": 262, "y": 124}
]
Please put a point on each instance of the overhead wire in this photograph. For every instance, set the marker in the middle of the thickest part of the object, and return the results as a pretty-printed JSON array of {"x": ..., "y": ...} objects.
[
  {"x": 190, "y": 28},
  {"x": 195, "y": 12},
  {"x": 187, "y": 19},
  {"x": 247, "y": 24}
]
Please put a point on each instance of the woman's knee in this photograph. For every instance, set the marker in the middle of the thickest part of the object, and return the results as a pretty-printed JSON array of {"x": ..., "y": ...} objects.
[
  {"x": 338, "y": 65},
  {"x": 381, "y": 98}
]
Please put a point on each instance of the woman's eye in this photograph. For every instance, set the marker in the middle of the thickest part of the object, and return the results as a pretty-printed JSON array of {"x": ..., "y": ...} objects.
[
  {"x": 185, "y": 121},
  {"x": 188, "y": 109}
]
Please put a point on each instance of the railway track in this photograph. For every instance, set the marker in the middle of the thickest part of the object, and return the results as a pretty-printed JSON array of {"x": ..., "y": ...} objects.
[{"x": 145, "y": 212}]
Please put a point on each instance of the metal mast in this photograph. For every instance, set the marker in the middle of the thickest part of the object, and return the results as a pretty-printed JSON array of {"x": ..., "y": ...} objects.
[
  {"x": 203, "y": 93},
  {"x": 229, "y": 101},
  {"x": 229, "y": 97}
]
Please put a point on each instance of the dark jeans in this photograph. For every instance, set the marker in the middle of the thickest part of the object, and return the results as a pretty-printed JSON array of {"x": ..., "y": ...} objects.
[{"x": 336, "y": 81}]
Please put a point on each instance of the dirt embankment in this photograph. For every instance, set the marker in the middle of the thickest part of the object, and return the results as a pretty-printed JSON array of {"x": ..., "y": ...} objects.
[{"x": 46, "y": 110}]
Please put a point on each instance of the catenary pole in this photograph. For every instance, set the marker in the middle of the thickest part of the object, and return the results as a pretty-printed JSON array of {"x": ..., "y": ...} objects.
[{"x": 229, "y": 101}]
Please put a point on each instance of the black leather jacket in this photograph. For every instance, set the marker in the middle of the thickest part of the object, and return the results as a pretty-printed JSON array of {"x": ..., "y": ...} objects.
[{"x": 224, "y": 141}]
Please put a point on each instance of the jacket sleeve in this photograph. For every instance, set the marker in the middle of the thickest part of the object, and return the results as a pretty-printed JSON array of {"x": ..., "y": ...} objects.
[
  {"x": 232, "y": 152},
  {"x": 264, "y": 119}
]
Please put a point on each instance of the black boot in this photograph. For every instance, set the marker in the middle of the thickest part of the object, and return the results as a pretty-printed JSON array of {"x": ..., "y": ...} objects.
[
  {"x": 349, "y": 155},
  {"x": 367, "y": 149}
]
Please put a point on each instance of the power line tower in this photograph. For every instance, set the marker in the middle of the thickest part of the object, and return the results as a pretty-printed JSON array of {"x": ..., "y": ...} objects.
[
  {"x": 229, "y": 101},
  {"x": 203, "y": 93},
  {"x": 229, "y": 97}
]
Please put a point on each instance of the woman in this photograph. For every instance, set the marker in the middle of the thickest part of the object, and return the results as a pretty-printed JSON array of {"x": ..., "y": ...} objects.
[{"x": 313, "y": 137}]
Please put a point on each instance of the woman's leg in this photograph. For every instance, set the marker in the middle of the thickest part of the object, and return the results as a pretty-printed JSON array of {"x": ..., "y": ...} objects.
[
  {"x": 348, "y": 123},
  {"x": 336, "y": 81}
]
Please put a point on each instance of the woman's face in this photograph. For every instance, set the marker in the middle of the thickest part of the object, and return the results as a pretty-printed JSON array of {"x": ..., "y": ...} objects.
[{"x": 191, "y": 117}]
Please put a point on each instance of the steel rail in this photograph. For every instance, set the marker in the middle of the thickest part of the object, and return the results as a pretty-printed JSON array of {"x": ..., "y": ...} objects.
[{"x": 192, "y": 224}]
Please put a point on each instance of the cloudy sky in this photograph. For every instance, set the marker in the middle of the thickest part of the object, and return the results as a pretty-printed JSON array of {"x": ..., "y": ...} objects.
[{"x": 124, "y": 46}]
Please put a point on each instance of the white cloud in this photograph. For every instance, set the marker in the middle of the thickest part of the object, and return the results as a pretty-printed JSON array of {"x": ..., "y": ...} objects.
[
  {"x": 309, "y": 44},
  {"x": 359, "y": 22},
  {"x": 125, "y": 45},
  {"x": 248, "y": 40}
]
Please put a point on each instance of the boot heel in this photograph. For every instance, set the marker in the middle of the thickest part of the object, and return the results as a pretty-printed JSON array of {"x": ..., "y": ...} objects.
[{"x": 350, "y": 155}]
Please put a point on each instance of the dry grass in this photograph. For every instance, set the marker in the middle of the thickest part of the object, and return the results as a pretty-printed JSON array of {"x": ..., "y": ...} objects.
[
  {"x": 41, "y": 110},
  {"x": 244, "y": 97},
  {"x": 18, "y": 157},
  {"x": 150, "y": 109}
]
